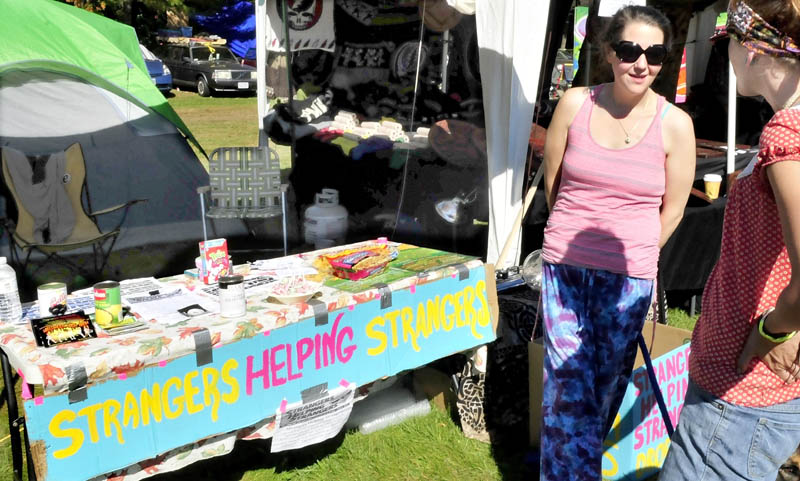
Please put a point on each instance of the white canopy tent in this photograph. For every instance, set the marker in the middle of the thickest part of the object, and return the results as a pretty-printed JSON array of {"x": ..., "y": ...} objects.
[
  {"x": 511, "y": 40},
  {"x": 511, "y": 36}
]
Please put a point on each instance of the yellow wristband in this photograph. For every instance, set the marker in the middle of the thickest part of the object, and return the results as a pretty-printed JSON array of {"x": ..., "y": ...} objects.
[{"x": 769, "y": 336}]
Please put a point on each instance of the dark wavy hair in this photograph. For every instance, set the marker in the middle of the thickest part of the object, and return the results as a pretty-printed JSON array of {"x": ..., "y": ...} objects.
[{"x": 636, "y": 13}]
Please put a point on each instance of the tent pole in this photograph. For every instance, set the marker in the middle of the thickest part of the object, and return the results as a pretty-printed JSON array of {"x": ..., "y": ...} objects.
[
  {"x": 445, "y": 58},
  {"x": 289, "y": 77},
  {"x": 201, "y": 191},
  {"x": 731, "y": 154},
  {"x": 261, "y": 71},
  {"x": 521, "y": 215}
]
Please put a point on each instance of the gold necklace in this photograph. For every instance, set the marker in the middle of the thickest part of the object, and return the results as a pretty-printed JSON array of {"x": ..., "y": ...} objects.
[
  {"x": 790, "y": 103},
  {"x": 627, "y": 135}
]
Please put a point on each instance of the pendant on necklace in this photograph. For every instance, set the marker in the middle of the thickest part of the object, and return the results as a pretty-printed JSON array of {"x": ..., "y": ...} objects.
[{"x": 627, "y": 140}]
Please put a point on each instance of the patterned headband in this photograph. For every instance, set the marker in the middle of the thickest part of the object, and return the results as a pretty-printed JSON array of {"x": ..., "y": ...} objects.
[{"x": 753, "y": 32}]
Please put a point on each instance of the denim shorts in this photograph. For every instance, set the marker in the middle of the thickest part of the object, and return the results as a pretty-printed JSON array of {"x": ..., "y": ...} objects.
[{"x": 720, "y": 441}]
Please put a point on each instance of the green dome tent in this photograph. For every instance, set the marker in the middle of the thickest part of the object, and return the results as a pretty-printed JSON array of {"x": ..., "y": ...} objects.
[
  {"x": 46, "y": 35},
  {"x": 68, "y": 75}
]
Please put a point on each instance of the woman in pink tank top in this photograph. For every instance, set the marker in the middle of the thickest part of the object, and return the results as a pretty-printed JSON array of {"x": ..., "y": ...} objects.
[{"x": 619, "y": 164}]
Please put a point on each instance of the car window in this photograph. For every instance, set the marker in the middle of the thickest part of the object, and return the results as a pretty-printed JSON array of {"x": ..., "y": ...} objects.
[{"x": 210, "y": 52}]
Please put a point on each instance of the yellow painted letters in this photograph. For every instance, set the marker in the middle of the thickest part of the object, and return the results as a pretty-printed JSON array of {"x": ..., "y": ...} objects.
[
  {"x": 177, "y": 400},
  {"x": 75, "y": 434},
  {"x": 210, "y": 391},
  {"x": 190, "y": 392},
  {"x": 378, "y": 335}
]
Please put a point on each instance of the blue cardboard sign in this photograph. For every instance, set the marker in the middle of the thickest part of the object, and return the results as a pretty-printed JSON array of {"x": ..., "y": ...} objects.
[
  {"x": 638, "y": 442},
  {"x": 157, "y": 409}
]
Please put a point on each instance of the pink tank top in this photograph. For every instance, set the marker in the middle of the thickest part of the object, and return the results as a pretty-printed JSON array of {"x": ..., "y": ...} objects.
[{"x": 606, "y": 213}]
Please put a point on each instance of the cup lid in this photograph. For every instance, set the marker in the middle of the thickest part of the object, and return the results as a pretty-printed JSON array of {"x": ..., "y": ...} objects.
[{"x": 713, "y": 177}]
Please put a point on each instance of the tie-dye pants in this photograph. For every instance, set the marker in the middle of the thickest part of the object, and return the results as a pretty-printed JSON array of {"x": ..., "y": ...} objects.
[{"x": 591, "y": 319}]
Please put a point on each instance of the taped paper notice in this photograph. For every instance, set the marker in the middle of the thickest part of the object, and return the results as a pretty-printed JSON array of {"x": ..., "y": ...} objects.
[
  {"x": 172, "y": 306},
  {"x": 144, "y": 285},
  {"x": 305, "y": 424},
  {"x": 609, "y": 7}
]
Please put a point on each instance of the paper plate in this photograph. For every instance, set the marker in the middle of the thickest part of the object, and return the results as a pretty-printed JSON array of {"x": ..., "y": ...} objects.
[{"x": 292, "y": 290}]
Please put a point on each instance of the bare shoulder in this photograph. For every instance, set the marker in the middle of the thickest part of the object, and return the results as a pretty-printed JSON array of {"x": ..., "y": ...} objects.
[
  {"x": 569, "y": 104},
  {"x": 574, "y": 97},
  {"x": 677, "y": 122},
  {"x": 678, "y": 131}
]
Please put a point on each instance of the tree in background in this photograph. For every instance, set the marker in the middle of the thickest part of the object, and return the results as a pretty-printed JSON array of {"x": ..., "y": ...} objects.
[{"x": 147, "y": 16}]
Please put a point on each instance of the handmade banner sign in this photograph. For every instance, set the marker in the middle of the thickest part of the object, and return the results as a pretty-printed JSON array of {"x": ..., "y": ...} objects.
[
  {"x": 638, "y": 442},
  {"x": 171, "y": 404}
]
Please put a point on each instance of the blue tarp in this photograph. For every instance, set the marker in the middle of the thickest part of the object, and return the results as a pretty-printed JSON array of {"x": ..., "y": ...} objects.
[{"x": 236, "y": 23}]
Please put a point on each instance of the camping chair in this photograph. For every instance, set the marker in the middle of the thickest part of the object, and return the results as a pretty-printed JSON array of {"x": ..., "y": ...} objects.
[
  {"x": 245, "y": 183},
  {"x": 27, "y": 233}
]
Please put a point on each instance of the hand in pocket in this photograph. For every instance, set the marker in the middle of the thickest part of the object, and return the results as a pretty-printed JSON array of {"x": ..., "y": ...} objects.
[{"x": 782, "y": 359}]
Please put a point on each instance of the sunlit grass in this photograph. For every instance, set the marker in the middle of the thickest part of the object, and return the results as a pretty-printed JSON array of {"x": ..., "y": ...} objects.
[
  {"x": 431, "y": 447},
  {"x": 227, "y": 121},
  {"x": 680, "y": 318}
]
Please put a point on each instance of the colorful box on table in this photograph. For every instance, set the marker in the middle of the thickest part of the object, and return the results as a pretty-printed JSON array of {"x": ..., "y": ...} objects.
[
  {"x": 215, "y": 253},
  {"x": 638, "y": 442}
]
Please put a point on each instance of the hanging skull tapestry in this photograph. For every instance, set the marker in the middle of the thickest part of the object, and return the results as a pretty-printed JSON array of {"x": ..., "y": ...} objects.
[{"x": 310, "y": 25}]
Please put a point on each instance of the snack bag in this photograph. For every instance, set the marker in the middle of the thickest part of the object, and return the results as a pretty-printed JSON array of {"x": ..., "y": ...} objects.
[
  {"x": 356, "y": 264},
  {"x": 216, "y": 260}
]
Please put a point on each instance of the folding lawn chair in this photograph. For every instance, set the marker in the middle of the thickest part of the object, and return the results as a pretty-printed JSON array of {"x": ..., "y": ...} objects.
[
  {"x": 245, "y": 183},
  {"x": 49, "y": 192}
]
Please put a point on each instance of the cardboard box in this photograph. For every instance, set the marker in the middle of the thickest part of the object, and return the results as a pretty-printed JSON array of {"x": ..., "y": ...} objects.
[
  {"x": 638, "y": 442},
  {"x": 436, "y": 386},
  {"x": 217, "y": 264}
]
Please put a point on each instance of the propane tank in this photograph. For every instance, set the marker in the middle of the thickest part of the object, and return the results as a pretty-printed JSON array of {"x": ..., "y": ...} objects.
[{"x": 325, "y": 222}]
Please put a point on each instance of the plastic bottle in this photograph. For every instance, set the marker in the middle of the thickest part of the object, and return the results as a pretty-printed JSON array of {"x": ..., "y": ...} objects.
[
  {"x": 386, "y": 408},
  {"x": 326, "y": 221},
  {"x": 10, "y": 307}
]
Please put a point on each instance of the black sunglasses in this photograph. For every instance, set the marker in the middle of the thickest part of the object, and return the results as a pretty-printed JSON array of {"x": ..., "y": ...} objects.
[{"x": 630, "y": 52}]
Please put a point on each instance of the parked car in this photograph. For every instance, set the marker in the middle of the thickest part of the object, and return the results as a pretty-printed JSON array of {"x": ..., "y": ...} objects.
[
  {"x": 209, "y": 68},
  {"x": 159, "y": 72}
]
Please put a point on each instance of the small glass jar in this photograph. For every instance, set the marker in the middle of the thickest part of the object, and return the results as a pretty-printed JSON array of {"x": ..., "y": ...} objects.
[{"x": 232, "y": 302}]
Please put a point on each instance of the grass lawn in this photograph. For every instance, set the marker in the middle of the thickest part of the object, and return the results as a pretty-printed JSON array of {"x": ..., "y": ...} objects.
[
  {"x": 680, "y": 318},
  {"x": 431, "y": 447},
  {"x": 218, "y": 122},
  {"x": 425, "y": 448},
  {"x": 228, "y": 121}
]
